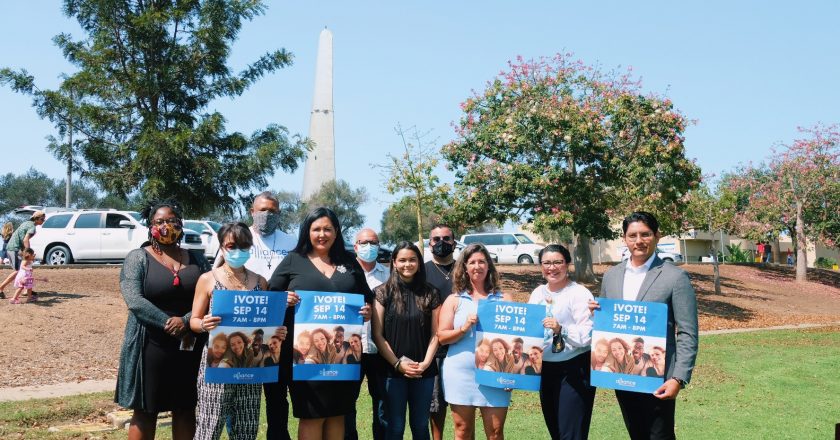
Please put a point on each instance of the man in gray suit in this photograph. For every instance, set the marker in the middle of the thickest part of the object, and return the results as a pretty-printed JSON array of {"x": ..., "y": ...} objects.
[{"x": 645, "y": 277}]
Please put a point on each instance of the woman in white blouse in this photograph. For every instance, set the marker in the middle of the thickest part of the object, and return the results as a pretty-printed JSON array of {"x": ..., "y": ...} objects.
[{"x": 565, "y": 393}]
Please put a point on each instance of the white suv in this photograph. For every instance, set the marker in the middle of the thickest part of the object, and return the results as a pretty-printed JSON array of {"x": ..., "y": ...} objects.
[
  {"x": 511, "y": 248},
  {"x": 208, "y": 230},
  {"x": 94, "y": 235}
]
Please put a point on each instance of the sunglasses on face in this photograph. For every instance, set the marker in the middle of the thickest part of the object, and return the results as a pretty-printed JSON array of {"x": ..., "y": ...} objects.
[{"x": 444, "y": 238}]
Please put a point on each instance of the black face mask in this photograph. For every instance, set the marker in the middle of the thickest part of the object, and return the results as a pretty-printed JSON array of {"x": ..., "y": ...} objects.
[{"x": 443, "y": 249}]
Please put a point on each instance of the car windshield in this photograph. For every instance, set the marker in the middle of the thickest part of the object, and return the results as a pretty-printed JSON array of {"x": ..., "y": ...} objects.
[
  {"x": 215, "y": 226},
  {"x": 524, "y": 239}
]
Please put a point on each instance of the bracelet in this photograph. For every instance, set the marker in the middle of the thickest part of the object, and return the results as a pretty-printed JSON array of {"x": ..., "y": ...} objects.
[
  {"x": 203, "y": 330},
  {"x": 397, "y": 365}
]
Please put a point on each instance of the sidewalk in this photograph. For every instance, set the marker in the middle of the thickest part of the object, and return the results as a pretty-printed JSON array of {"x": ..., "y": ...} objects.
[{"x": 94, "y": 386}]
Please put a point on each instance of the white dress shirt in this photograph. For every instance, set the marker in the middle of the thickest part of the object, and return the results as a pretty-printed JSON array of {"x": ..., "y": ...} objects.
[
  {"x": 377, "y": 276},
  {"x": 634, "y": 277},
  {"x": 570, "y": 307}
]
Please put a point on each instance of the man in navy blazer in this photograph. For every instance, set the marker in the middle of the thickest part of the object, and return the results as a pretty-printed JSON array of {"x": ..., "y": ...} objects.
[{"x": 645, "y": 277}]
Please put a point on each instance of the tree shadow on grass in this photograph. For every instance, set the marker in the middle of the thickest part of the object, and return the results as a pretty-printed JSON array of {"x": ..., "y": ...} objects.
[
  {"x": 725, "y": 310},
  {"x": 48, "y": 298}
]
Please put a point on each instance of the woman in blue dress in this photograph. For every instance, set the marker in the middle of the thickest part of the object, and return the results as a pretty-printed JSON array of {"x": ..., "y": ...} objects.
[{"x": 475, "y": 279}]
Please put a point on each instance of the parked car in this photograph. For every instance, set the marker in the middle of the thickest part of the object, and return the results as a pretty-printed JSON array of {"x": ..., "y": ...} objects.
[
  {"x": 510, "y": 247},
  {"x": 209, "y": 238},
  {"x": 427, "y": 251},
  {"x": 95, "y": 236}
]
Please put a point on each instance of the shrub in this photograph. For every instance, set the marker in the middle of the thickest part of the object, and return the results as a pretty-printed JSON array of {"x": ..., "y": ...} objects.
[{"x": 825, "y": 263}]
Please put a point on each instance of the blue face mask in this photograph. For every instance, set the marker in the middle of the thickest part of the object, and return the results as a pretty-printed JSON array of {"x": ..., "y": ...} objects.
[
  {"x": 368, "y": 252},
  {"x": 237, "y": 258}
]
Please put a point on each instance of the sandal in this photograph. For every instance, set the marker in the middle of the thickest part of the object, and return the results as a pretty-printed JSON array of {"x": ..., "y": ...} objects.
[
  {"x": 33, "y": 297},
  {"x": 14, "y": 301}
]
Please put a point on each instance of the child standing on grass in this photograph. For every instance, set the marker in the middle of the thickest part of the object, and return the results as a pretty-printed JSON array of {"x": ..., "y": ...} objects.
[{"x": 25, "y": 280}]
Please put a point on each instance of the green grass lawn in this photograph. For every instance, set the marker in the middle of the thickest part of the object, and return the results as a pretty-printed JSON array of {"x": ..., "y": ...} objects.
[{"x": 762, "y": 385}]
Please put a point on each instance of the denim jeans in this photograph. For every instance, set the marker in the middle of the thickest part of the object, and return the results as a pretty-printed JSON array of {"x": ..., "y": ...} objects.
[{"x": 414, "y": 393}]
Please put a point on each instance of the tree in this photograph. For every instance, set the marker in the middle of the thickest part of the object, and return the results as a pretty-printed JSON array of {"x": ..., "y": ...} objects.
[
  {"x": 399, "y": 221},
  {"x": 797, "y": 191},
  {"x": 35, "y": 188},
  {"x": 343, "y": 200},
  {"x": 413, "y": 174},
  {"x": 559, "y": 144},
  {"x": 714, "y": 212},
  {"x": 147, "y": 72}
]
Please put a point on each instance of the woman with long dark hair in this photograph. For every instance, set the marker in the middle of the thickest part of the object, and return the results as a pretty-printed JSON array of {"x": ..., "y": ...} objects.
[
  {"x": 158, "y": 360},
  {"x": 405, "y": 331},
  {"x": 475, "y": 279},
  {"x": 319, "y": 262}
]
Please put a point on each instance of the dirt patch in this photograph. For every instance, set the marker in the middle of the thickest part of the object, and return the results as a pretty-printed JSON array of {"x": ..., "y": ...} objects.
[{"x": 74, "y": 331}]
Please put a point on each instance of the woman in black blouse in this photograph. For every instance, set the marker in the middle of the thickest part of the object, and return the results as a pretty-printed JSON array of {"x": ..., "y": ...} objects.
[
  {"x": 319, "y": 262},
  {"x": 405, "y": 332}
]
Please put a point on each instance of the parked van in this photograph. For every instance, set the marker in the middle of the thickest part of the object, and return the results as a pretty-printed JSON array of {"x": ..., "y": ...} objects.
[{"x": 509, "y": 247}]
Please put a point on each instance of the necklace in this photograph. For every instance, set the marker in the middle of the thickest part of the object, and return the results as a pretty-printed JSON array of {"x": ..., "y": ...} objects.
[
  {"x": 264, "y": 249},
  {"x": 233, "y": 279},
  {"x": 176, "y": 267},
  {"x": 445, "y": 274}
]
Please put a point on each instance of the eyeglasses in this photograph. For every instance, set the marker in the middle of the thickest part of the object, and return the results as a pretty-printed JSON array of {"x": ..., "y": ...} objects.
[
  {"x": 172, "y": 221},
  {"x": 364, "y": 242},
  {"x": 636, "y": 237},
  {"x": 548, "y": 264},
  {"x": 445, "y": 238}
]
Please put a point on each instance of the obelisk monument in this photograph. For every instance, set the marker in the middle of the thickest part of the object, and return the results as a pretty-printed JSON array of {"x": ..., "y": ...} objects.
[{"x": 320, "y": 162}]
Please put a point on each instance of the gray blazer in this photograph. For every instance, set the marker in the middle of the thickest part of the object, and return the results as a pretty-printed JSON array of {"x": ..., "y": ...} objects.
[{"x": 665, "y": 283}]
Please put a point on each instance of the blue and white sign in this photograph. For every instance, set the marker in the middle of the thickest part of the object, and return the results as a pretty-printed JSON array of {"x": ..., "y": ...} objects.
[
  {"x": 509, "y": 344},
  {"x": 245, "y": 347},
  {"x": 328, "y": 341},
  {"x": 628, "y": 345}
]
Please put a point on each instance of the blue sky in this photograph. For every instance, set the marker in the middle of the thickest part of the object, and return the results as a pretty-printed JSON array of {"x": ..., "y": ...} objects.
[{"x": 749, "y": 72}]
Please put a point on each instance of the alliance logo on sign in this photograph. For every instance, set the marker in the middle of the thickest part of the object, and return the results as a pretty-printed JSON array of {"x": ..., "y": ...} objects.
[
  {"x": 243, "y": 376},
  {"x": 506, "y": 382},
  {"x": 328, "y": 373},
  {"x": 625, "y": 382}
]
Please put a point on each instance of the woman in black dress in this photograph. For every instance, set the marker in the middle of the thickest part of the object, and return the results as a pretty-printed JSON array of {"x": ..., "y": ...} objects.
[
  {"x": 319, "y": 262},
  {"x": 160, "y": 356}
]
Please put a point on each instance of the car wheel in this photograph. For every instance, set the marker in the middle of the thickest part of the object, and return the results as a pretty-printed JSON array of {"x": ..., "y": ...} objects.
[
  {"x": 59, "y": 256},
  {"x": 525, "y": 259},
  {"x": 668, "y": 259}
]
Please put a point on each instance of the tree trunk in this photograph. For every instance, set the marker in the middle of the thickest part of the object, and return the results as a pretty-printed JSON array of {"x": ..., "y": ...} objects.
[
  {"x": 716, "y": 265},
  {"x": 583, "y": 260},
  {"x": 420, "y": 228},
  {"x": 801, "y": 246}
]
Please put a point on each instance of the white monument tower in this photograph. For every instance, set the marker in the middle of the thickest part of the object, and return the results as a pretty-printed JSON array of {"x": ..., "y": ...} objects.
[{"x": 320, "y": 163}]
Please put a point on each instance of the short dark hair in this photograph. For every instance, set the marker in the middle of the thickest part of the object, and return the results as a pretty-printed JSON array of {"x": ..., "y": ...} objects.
[
  {"x": 639, "y": 339},
  {"x": 556, "y": 248},
  {"x": 337, "y": 253},
  {"x": 151, "y": 208},
  {"x": 240, "y": 232},
  {"x": 442, "y": 225},
  {"x": 641, "y": 216},
  {"x": 268, "y": 195},
  {"x": 338, "y": 328}
]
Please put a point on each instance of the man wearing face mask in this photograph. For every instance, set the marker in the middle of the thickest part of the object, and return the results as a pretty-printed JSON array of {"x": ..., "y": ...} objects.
[
  {"x": 439, "y": 275},
  {"x": 367, "y": 249},
  {"x": 270, "y": 246}
]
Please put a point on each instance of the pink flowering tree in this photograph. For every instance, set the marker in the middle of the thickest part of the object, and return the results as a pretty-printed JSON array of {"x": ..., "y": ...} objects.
[
  {"x": 797, "y": 192},
  {"x": 556, "y": 143}
]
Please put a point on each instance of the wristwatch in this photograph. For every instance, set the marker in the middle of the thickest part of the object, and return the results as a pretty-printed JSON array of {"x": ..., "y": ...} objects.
[{"x": 679, "y": 381}]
